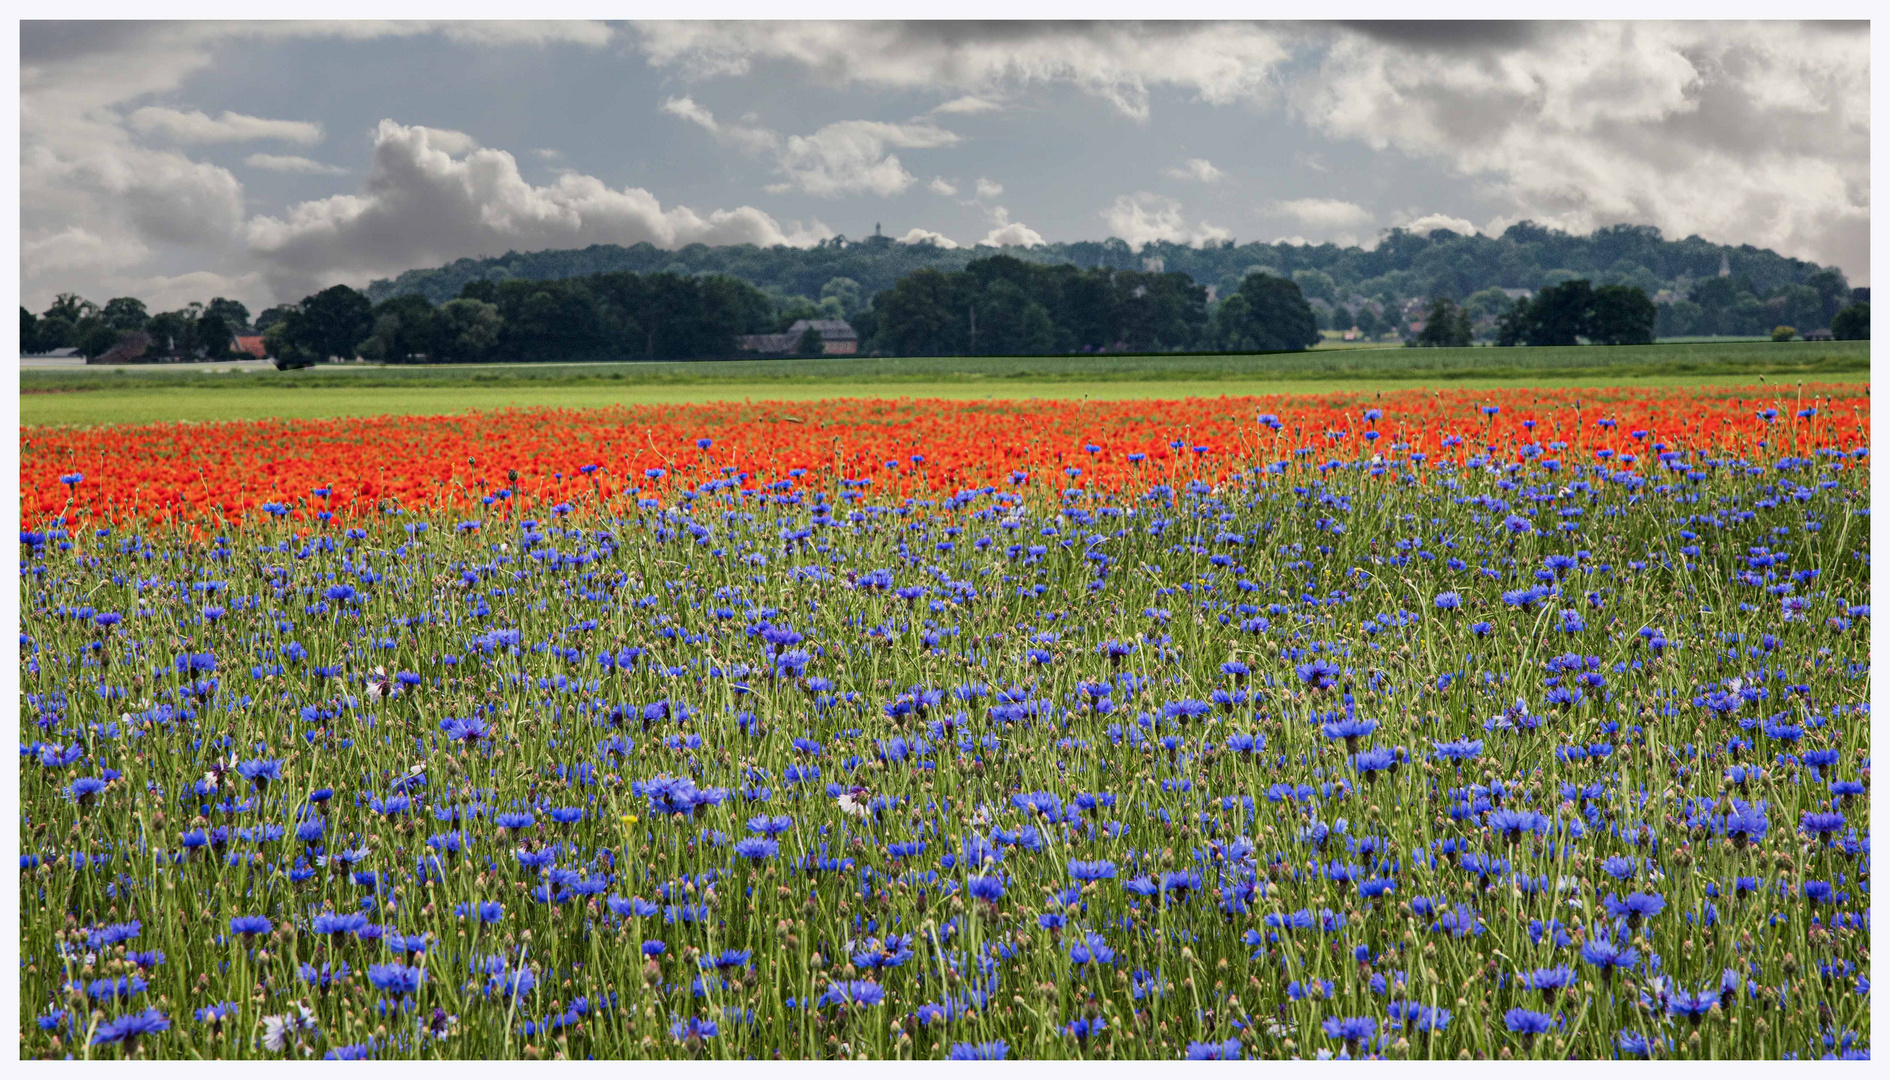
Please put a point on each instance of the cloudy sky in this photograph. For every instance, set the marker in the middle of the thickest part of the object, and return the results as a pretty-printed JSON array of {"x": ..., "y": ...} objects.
[{"x": 181, "y": 161}]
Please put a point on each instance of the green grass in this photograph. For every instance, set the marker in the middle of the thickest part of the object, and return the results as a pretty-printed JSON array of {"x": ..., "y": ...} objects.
[
  {"x": 146, "y": 395},
  {"x": 1317, "y": 364},
  {"x": 256, "y": 402}
]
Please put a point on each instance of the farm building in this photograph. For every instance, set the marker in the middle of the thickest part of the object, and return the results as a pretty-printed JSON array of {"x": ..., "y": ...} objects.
[{"x": 837, "y": 338}]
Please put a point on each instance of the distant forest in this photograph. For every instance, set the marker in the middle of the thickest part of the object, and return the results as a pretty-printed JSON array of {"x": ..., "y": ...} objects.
[
  {"x": 1761, "y": 288},
  {"x": 1619, "y": 285}
]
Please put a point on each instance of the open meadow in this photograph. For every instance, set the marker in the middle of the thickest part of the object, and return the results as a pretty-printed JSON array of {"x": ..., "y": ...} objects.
[
  {"x": 90, "y": 396},
  {"x": 1442, "y": 723}
]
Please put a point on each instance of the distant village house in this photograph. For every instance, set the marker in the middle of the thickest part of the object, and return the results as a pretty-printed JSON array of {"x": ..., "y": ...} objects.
[{"x": 837, "y": 338}]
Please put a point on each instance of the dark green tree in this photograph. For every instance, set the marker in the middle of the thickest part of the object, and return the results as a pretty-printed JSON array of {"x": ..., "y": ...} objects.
[
  {"x": 1512, "y": 327},
  {"x": 1833, "y": 293},
  {"x": 464, "y": 330},
  {"x": 234, "y": 315},
  {"x": 810, "y": 343},
  {"x": 1272, "y": 316},
  {"x": 96, "y": 339},
  {"x": 1561, "y": 313},
  {"x": 918, "y": 316},
  {"x": 272, "y": 316},
  {"x": 173, "y": 333},
  {"x": 213, "y": 335},
  {"x": 403, "y": 329},
  {"x": 1682, "y": 318},
  {"x": 1621, "y": 315},
  {"x": 1445, "y": 325},
  {"x": 125, "y": 313},
  {"x": 1852, "y": 323},
  {"x": 29, "y": 333},
  {"x": 1010, "y": 323},
  {"x": 287, "y": 345},
  {"x": 333, "y": 322},
  {"x": 71, "y": 308}
]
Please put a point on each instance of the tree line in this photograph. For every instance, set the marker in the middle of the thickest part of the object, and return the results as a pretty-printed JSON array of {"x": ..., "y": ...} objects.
[
  {"x": 197, "y": 331},
  {"x": 1401, "y": 266},
  {"x": 998, "y": 305},
  {"x": 616, "y": 315},
  {"x": 1003, "y": 305},
  {"x": 1565, "y": 314}
]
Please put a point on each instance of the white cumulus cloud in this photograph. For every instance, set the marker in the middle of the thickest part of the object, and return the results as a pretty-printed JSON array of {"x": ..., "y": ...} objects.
[
  {"x": 845, "y": 158},
  {"x": 98, "y": 204},
  {"x": 1119, "y": 62},
  {"x": 422, "y": 204},
  {"x": 1145, "y": 217},
  {"x": 1322, "y": 213},
  {"x": 916, "y": 235},
  {"x": 1740, "y": 132},
  {"x": 1008, "y": 233},
  {"x": 1425, "y": 223},
  {"x": 1197, "y": 169},
  {"x": 854, "y": 156},
  {"x": 201, "y": 127},
  {"x": 291, "y": 163},
  {"x": 76, "y": 248},
  {"x": 968, "y": 105},
  {"x": 942, "y": 186}
]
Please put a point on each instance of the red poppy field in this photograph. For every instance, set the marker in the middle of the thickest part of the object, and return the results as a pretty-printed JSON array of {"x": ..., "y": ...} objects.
[{"x": 202, "y": 473}]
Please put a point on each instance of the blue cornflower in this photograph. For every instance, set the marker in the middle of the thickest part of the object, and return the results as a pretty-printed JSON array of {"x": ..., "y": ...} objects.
[
  {"x": 995, "y": 1050},
  {"x": 756, "y": 848},
  {"x": 1092, "y": 949},
  {"x": 1370, "y": 763},
  {"x": 1607, "y": 956},
  {"x": 489, "y": 911},
  {"x": 129, "y": 1027},
  {"x": 1214, "y": 1051},
  {"x": 1352, "y": 1029},
  {"x": 1459, "y": 749},
  {"x": 1527, "y": 1022},
  {"x": 1513, "y": 823},
  {"x": 1351, "y": 729},
  {"x": 250, "y": 925},
  {"x": 1319, "y": 675},
  {"x": 1693, "y": 1006},
  {"x": 1821, "y": 825},
  {"x": 1634, "y": 1044},
  {"x": 465, "y": 729},
  {"x": 695, "y": 1028},
  {"x": 1635, "y": 907},
  {"x": 260, "y": 773},
  {"x": 1550, "y": 980},
  {"x": 853, "y": 992},
  {"x": 395, "y": 979},
  {"x": 1181, "y": 882}
]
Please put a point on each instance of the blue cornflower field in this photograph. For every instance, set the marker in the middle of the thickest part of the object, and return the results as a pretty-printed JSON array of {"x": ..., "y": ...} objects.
[{"x": 1337, "y": 749}]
